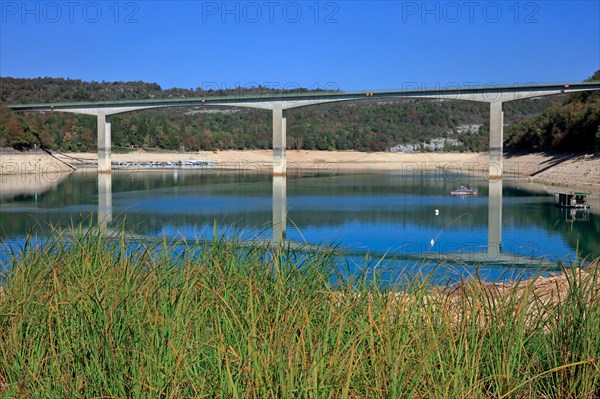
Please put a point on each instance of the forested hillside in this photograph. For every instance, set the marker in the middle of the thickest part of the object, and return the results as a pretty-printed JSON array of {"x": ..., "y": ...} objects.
[
  {"x": 372, "y": 125},
  {"x": 572, "y": 125},
  {"x": 54, "y": 90}
]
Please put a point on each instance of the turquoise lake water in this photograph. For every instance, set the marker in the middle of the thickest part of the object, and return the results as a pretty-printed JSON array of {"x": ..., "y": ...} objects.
[{"x": 408, "y": 220}]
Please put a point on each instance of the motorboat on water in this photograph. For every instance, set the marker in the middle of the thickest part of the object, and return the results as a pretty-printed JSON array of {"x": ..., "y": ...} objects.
[{"x": 463, "y": 191}]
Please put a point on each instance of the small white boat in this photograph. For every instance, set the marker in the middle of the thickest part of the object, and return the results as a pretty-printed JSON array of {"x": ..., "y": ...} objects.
[{"x": 463, "y": 191}]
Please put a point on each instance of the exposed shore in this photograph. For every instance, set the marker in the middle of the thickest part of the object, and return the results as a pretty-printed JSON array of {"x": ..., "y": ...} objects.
[{"x": 571, "y": 171}]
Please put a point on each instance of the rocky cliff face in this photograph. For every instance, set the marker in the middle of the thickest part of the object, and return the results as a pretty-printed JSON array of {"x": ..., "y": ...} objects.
[{"x": 439, "y": 143}]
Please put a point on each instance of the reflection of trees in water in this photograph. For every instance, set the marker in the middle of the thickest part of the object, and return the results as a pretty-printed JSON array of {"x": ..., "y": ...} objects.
[
  {"x": 582, "y": 235},
  {"x": 313, "y": 202}
]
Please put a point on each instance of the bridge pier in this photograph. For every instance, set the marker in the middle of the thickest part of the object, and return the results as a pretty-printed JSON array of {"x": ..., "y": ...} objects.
[
  {"x": 496, "y": 139},
  {"x": 279, "y": 141},
  {"x": 104, "y": 143}
]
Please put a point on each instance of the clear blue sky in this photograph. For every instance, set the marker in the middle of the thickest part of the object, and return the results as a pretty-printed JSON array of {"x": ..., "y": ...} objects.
[{"x": 351, "y": 45}]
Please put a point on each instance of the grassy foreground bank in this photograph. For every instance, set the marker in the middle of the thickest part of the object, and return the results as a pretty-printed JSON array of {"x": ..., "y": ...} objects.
[{"x": 95, "y": 316}]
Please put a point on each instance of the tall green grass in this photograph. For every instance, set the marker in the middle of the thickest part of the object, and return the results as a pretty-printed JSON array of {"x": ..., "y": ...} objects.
[{"x": 97, "y": 316}]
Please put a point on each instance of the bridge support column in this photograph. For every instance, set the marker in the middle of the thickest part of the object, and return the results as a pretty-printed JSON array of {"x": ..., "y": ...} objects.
[
  {"x": 279, "y": 141},
  {"x": 496, "y": 139},
  {"x": 104, "y": 143}
]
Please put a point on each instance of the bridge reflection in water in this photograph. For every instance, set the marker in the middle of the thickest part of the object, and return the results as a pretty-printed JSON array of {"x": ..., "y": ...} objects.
[
  {"x": 494, "y": 248},
  {"x": 279, "y": 218},
  {"x": 279, "y": 208},
  {"x": 105, "y": 211},
  {"x": 104, "y": 200}
]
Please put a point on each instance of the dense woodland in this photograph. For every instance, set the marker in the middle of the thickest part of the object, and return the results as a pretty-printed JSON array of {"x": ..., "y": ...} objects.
[
  {"x": 561, "y": 122},
  {"x": 571, "y": 125}
]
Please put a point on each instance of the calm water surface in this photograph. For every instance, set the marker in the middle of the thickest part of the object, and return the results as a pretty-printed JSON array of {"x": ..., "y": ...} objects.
[{"x": 365, "y": 215}]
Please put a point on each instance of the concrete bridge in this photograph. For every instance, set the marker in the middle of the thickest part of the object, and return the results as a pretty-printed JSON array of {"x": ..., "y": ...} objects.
[{"x": 280, "y": 103}]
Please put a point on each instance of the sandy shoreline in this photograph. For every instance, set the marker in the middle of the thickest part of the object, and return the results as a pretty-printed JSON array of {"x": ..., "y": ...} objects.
[{"x": 572, "y": 171}]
